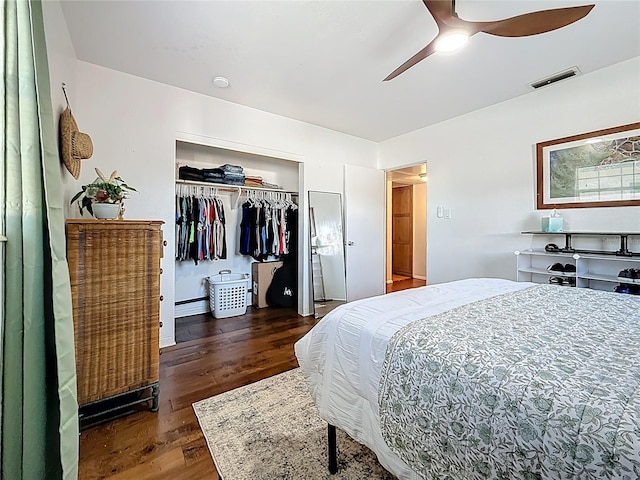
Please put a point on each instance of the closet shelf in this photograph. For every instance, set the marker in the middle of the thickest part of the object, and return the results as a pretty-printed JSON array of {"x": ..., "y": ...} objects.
[{"x": 232, "y": 188}]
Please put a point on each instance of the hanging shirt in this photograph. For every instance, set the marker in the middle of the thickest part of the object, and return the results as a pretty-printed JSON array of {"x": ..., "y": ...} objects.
[
  {"x": 245, "y": 230},
  {"x": 200, "y": 228},
  {"x": 275, "y": 235}
]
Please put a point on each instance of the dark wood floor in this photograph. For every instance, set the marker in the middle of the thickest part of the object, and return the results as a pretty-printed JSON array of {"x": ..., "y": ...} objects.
[
  {"x": 211, "y": 356},
  {"x": 405, "y": 284}
]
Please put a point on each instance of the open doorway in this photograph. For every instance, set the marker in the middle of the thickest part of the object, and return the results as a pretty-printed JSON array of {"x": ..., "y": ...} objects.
[{"x": 406, "y": 265}]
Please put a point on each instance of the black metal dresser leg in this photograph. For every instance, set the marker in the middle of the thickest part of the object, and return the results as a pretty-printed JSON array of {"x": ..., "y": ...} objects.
[{"x": 155, "y": 392}]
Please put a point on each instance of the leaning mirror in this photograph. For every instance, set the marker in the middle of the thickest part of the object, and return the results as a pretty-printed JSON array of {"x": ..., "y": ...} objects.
[{"x": 327, "y": 252}]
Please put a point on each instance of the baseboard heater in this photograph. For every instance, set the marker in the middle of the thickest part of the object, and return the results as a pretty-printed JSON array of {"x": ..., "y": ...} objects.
[
  {"x": 191, "y": 300},
  {"x": 192, "y": 306}
]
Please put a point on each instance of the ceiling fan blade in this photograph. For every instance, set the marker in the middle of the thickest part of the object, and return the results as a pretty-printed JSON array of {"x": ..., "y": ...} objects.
[
  {"x": 440, "y": 10},
  {"x": 421, "y": 55},
  {"x": 536, "y": 22}
]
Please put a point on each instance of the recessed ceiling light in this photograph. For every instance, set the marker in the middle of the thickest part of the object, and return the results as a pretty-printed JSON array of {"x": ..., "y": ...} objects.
[{"x": 221, "y": 82}]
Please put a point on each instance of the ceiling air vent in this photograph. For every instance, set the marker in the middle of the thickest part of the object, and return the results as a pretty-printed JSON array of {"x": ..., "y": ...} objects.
[{"x": 556, "y": 77}]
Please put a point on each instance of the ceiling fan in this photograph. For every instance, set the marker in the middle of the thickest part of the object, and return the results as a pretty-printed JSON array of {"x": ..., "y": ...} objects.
[{"x": 453, "y": 31}]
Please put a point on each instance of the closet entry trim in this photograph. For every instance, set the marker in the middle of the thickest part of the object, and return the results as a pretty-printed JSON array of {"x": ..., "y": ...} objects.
[{"x": 235, "y": 147}]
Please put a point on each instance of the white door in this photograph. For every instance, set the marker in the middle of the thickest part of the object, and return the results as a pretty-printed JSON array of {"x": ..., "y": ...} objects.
[{"x": 364, "y": 218}]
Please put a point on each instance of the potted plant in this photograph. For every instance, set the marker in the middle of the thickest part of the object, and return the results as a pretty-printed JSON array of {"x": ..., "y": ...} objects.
[{"x": 104, "y": 197}]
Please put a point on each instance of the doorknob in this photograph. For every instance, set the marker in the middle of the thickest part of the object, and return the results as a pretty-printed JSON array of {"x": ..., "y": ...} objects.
[{"x": 350, "y": 243}]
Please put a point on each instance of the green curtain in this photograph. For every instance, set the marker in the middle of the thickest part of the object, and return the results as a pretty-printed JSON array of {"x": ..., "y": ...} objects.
[{"x": 38, "y": 406}]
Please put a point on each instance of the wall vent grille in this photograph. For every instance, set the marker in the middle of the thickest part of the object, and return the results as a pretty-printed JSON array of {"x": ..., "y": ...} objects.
[{"x": 556, "y": 77}]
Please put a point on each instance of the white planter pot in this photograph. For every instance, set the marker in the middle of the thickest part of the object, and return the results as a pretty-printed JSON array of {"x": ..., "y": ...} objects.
[{"x": 106, "y": 211}]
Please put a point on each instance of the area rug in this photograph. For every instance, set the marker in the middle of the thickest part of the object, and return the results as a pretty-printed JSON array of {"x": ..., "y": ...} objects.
[{"x": 271, "y": 430}]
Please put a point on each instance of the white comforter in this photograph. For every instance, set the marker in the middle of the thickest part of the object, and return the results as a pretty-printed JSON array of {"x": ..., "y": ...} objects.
[{"x": 342, "y": 356}]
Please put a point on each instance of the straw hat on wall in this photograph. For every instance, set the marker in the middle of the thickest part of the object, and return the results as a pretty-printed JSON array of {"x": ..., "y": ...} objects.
[{"x": 74, "y": 145}]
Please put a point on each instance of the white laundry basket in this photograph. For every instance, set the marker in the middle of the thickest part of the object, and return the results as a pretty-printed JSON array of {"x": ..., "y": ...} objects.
[{"x": 228, "y": 293}]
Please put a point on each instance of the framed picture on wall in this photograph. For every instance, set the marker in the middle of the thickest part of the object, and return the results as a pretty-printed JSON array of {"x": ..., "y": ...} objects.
[{"x": 594, "y": 169}]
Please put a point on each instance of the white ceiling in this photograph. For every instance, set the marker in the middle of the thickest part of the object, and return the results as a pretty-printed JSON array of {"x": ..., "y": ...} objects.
[{"x": 323, "y": 62}]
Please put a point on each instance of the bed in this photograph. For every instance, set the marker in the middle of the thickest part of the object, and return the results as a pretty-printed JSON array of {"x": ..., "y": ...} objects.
[{"x": 484, "y": 378}]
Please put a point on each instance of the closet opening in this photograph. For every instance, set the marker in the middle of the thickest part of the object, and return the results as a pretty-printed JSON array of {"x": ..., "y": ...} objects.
[
  {"x": 406, "y": 230},
  {"x": 236, "y": 213}
]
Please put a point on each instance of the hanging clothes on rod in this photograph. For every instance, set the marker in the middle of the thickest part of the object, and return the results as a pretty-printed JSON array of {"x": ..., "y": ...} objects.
[
  {"x": 266, "y": 228},
  {"x": 200, "y": 224}
]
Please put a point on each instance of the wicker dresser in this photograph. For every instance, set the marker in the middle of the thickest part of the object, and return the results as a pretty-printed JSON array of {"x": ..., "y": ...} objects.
[{"x": 114, "y": 267}]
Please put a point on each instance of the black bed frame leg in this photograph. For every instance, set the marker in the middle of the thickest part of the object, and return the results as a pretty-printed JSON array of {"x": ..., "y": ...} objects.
[{"x": 333, "y": 449}]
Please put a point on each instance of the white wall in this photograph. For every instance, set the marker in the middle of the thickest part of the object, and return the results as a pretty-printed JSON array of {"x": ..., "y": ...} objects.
[
  {"x": 482, "y": 167},
  {"x": 62, "y": 65},
  {"x": 420, "y": 231},
  {"x": 135, "y": 122}
]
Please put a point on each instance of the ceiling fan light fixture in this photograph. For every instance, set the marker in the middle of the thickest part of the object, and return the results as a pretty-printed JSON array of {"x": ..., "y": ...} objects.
[{"x": 452, "y": 41}]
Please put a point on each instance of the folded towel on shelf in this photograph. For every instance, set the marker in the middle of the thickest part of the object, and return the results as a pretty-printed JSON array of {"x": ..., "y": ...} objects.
[{"x": 253, "y": 181}]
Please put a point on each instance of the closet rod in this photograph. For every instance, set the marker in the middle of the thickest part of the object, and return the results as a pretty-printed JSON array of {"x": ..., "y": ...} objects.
[{"x": 232, "y": 188}]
